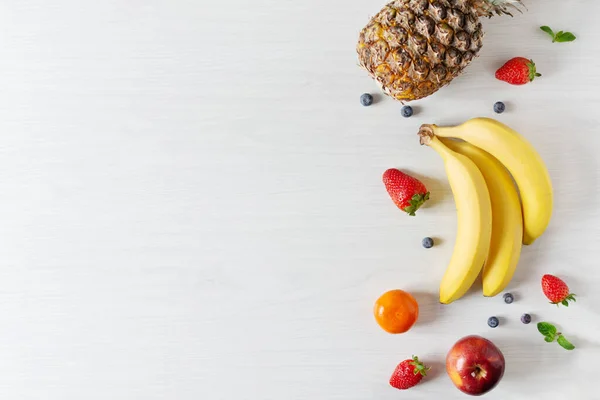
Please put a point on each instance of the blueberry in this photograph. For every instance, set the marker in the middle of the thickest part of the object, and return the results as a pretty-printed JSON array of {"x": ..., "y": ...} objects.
[
  {"x": 427, "y": 242},
  {"x": 493, "y": 322},
  {"x": 525, "y": 318},
  {"x": 499, "y": 107},
  {"x": 407, "y": 111},
  {"x": 366, "y": 99},
  {"x": 508, "y": 298}
]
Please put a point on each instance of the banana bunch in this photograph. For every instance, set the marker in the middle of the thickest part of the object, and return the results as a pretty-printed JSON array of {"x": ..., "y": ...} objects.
[{"x": 493, "y": 220}]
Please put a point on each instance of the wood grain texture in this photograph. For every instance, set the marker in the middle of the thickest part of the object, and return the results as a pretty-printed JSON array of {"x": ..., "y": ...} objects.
[{"x": 191, "y": 203}]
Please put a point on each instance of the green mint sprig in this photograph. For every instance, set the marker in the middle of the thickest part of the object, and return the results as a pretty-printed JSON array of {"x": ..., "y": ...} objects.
[
  {"x": 550, "y": 334},
  {"x": 559, "y": 36}
]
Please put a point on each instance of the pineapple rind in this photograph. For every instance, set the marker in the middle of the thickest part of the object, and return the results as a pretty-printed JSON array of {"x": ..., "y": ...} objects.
[{"x": 412, "y": 48}]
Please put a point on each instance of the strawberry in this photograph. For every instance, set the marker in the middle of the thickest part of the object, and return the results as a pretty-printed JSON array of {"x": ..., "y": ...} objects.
[
  {"x": 408, "y": 373},
  {"x": 556, "y": 290},
  {"x": 517, "y": 71},
  {"x": 408, "y": 193}
]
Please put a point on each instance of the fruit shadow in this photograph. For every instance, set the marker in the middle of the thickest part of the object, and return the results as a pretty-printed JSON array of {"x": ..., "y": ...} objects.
[
  {"x": 377, "y": 98},
  {"x": 476, "y": 288},
  {"x": 429, "y": 307},
  {"x": 437, "y": 188},
  {"x": 509, "y": 106},
  {"x": 416, "y": 111},
  {"x": 522, "y": 358},
  {"x": 438, "y": 368},
  {"x": 526, "y": 271},
  {"x": 526, "y": 362},
  {"x": 438, "y": 241},
  {"x": 581, "y": 343},
  {"x": 578, "y": 341},
  {"x": 575, "y": 284}
]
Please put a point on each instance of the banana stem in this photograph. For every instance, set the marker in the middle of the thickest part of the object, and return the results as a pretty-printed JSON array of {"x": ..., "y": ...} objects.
[
  {"x": 426, "y": 134},
  {"x": 428, "y": 138},
  {"x": 443, "y": 131}
]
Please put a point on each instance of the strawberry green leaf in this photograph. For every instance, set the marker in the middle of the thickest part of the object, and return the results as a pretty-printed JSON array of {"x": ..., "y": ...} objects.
[
  {"x": 415, "y": 202},
  {"x": 547, "y": 30},
  {"x": 532, "y": 70},
  {"x": 565, "y": 301},
  {"x": 420, "y": 368},
  {"x": 564, "y": 343},
  {"x": 549, "y": 339},
  {"x": 565, "y": 37},
  {"x": 546, "y": 329}
]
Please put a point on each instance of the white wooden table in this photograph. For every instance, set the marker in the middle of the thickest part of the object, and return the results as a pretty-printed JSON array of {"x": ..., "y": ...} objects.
[{"x": 192, "y": 206}]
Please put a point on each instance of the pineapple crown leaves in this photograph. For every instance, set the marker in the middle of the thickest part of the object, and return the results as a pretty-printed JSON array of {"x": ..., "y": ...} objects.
[
  {"x": 416, "y": 202},
  {"x": 550, "y": 334},
  {"x": 420, "y": 368},
  {"x": 532, "y": 71},
  {"x": 499, "y": 7}
]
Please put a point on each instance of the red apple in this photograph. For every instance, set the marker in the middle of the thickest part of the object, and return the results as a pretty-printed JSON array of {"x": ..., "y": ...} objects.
[{"x": 475, "y": 365}]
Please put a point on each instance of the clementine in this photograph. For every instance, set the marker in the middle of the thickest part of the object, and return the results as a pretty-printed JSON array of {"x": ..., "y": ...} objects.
[{"x": 396, "y": 311}]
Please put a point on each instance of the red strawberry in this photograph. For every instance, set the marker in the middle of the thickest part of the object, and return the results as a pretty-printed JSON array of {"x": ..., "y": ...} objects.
[
  {"x": 407, "y": 192},
  {"x": 517, "y": 71},
  {"x": 556, "y": 290},
  {"x": 408, "y": 373}
]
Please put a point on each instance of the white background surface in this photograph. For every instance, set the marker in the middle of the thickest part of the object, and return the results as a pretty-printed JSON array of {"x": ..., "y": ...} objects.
[{"x": 192, "y": 206}]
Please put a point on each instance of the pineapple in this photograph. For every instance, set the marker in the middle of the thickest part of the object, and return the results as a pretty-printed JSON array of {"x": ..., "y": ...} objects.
[{"x": 414, "y": 47}]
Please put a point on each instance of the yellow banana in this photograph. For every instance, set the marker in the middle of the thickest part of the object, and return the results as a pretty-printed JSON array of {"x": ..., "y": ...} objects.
[
  {"x": 507, "y": 220},
  {"x": 521, "y": 159},
  {"x": 474, "y": 220}
]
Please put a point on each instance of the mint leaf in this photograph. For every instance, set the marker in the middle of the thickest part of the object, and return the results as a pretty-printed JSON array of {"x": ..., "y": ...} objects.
[
  {"x": 564, "y": 343},
  {"x": 546, "y": 329},
  {"x": 565, "y": 37},
  {"x": 547, "y": 30},
  {"x": 560, "y": 36},
  {"x": 549, "y": 339}
]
